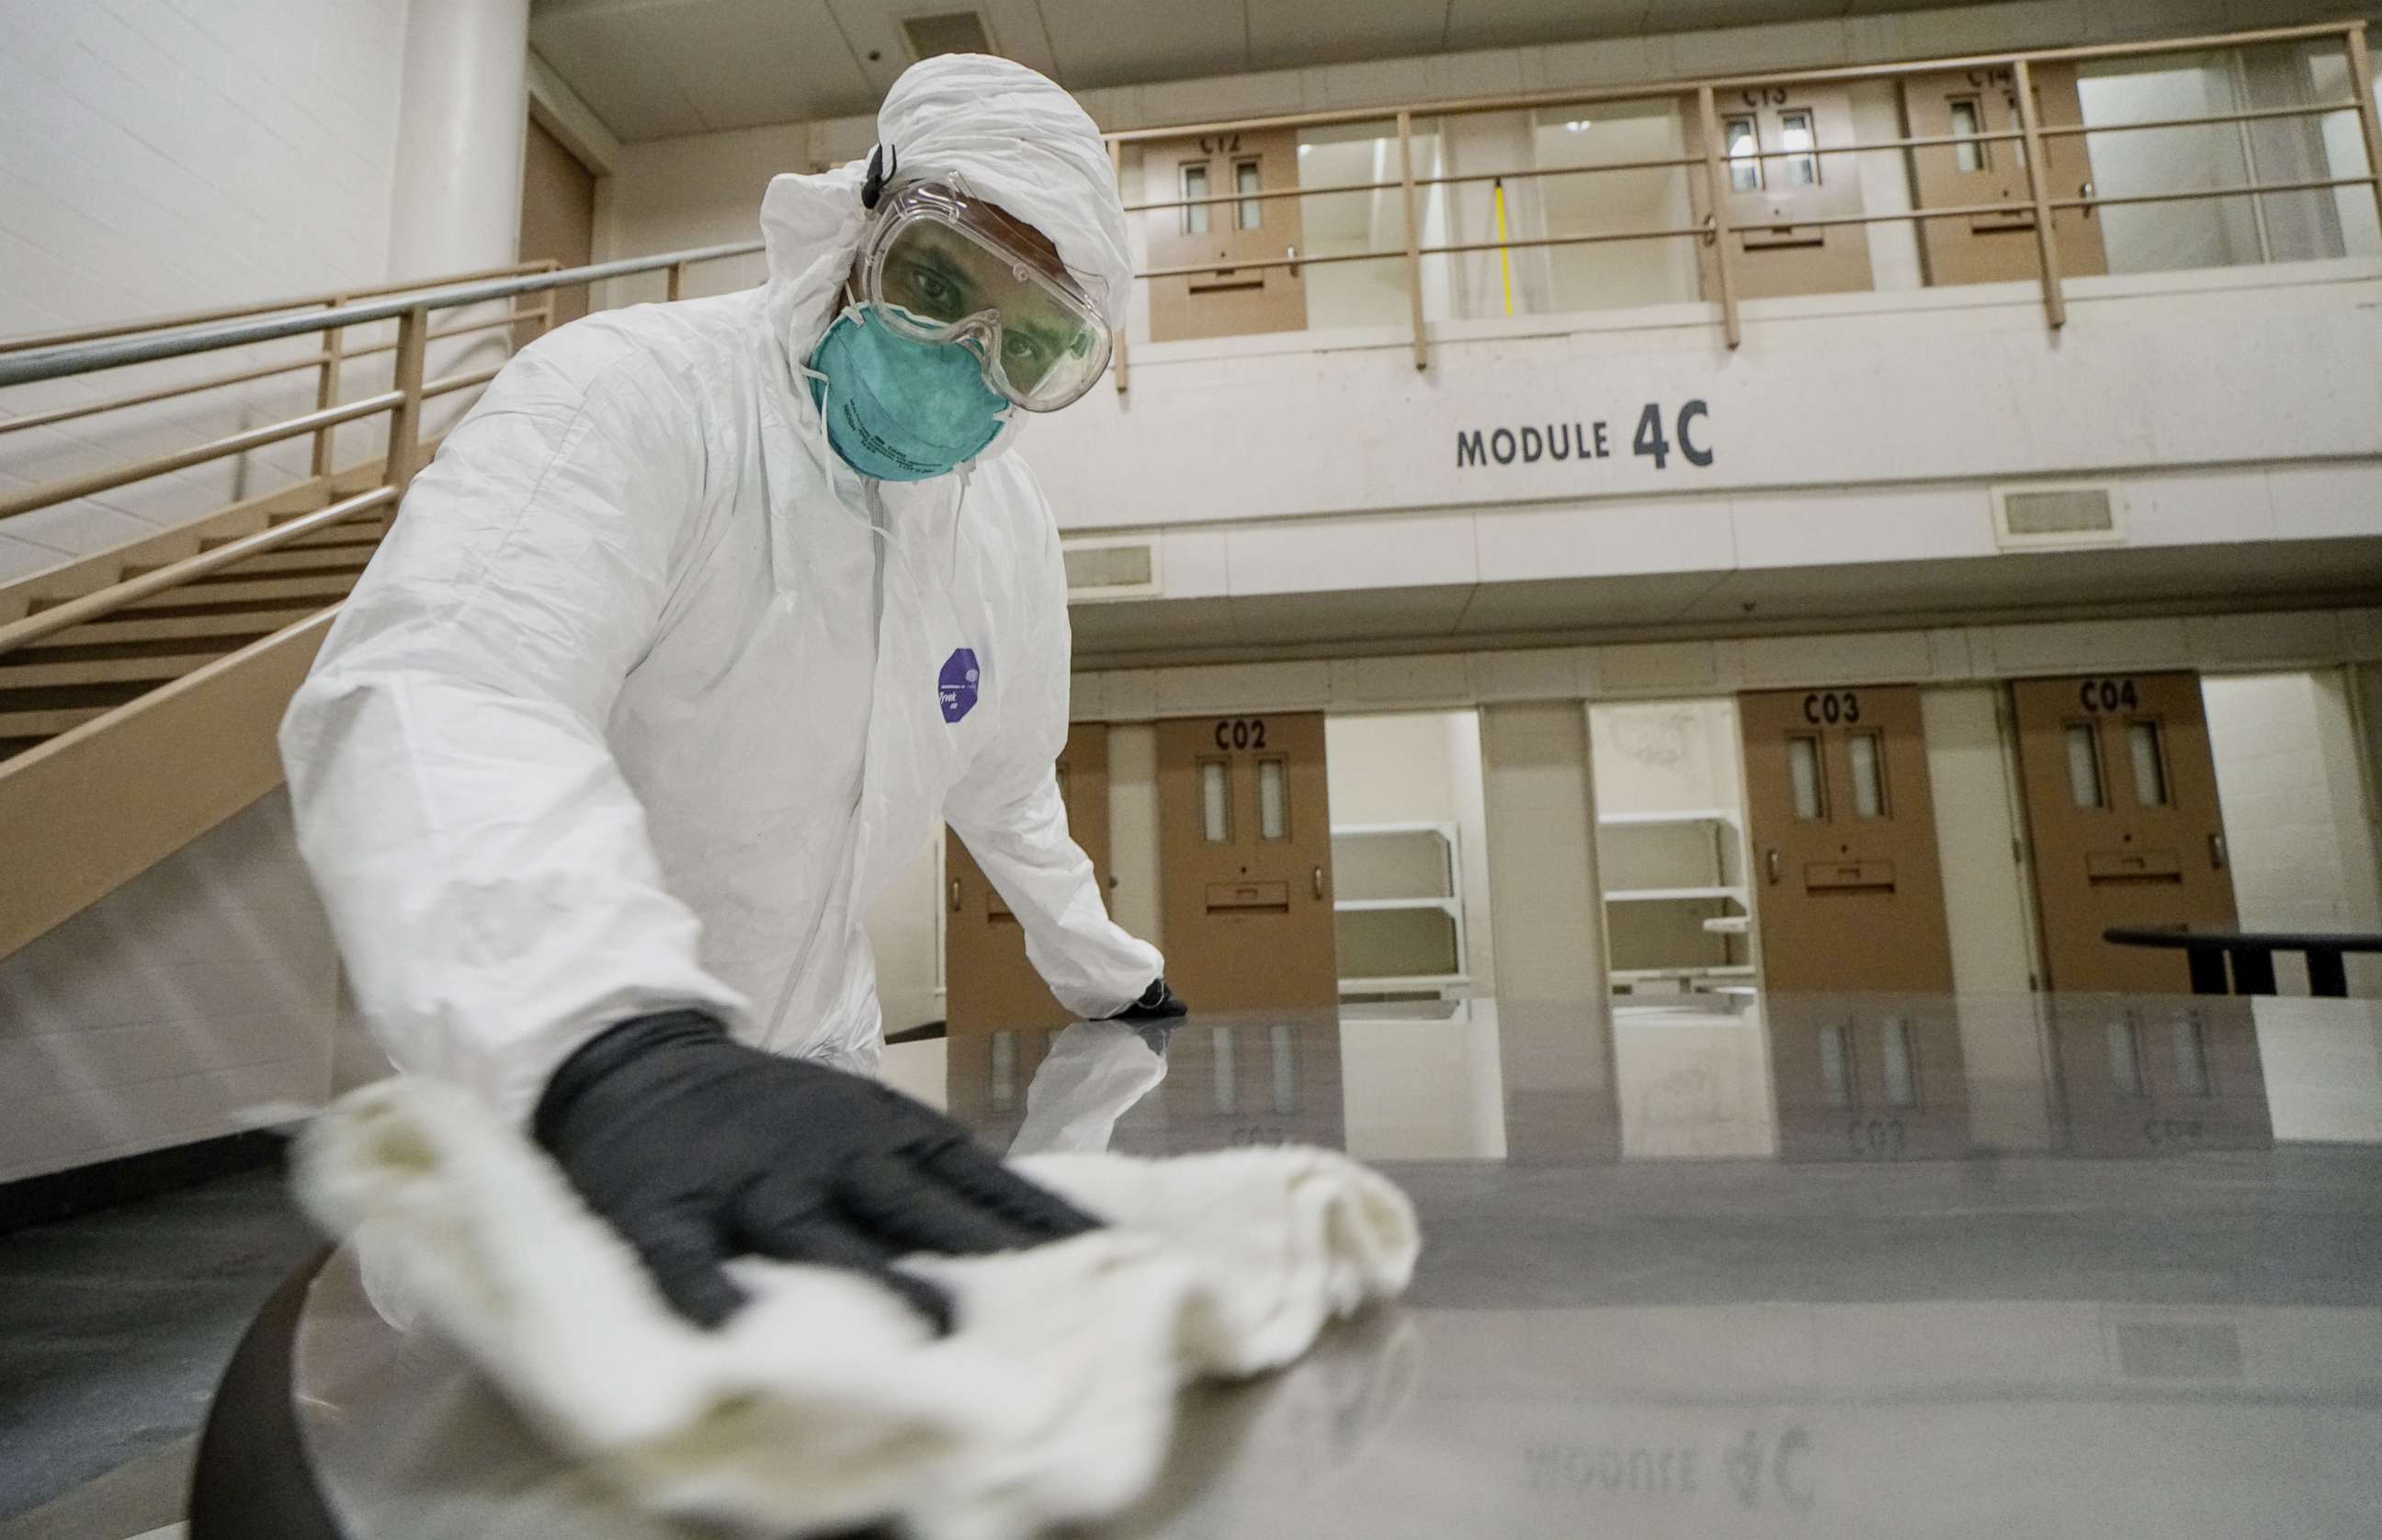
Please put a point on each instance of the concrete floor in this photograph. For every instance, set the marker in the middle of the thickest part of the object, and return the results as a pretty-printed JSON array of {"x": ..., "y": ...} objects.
[{"x": 114, "y": 1328}]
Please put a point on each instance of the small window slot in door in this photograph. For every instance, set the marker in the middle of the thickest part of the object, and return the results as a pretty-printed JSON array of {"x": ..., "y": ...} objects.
[
  {"x": 2084, "y": 766},
  {"x": 1195, "y": 186},
  {"x": 2125, "y": 1059},
  {"x": 1273, "y": 800},
  {"x": 1249, "y": 212},
  {"x": 1900, "y": 1057},
  {"x": 1216, "y": 801},
  {"x": 1866, "y": 752},
  {"x": 1809, "y": 783},
  {"x": 1744, "y": 155},
  {"x": 1794, "y": 137},
  {"x": 2148, "y": 754},
  {"x": 1969, "y": 126}
]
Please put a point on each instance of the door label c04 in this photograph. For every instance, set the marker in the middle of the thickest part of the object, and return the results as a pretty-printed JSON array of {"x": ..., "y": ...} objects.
[{"x": 2106, "y": 695}]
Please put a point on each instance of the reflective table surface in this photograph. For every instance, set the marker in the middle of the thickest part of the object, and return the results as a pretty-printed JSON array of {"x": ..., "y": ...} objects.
[{"x": 1809, "y": 1266}]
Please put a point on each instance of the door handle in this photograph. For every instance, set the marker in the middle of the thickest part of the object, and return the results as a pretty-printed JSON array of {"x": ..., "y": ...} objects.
[
  {"x": 1319, "y": 882},
  {"x": 2216, "y": 851},
  {"x": 1770, "y": 861},
  {"x": 955, "y": 895}
]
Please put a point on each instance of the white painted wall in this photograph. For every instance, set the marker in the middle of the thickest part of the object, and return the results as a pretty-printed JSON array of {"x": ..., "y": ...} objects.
[
  {"x": 2296, "y": 822},
  {"x": 1541, "y": 812},
  {"x": 188, "y": 1004},
  {"x": 176, "y": 157}
]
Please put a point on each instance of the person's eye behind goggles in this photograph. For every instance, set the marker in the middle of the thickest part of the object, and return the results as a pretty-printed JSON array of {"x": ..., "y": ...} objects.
[{"x": 941, "y": 265}]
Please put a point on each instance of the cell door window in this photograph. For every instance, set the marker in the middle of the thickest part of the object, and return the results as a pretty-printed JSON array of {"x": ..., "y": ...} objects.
[
  {"x": 1249, "y": 212},
  {"x": 1969, "y": 128},
  {"x": 1744, "y": 155},
  {"x": 1273, "y": 800},
  {"x": 1216, "y": 801},
  {"x": 1796, "y": 139},
  {"x": 2126, "y": 1059},
  {"x": 2191, "y": 1057},
  {"x": 2084, "y": 766},
  {"x": 1195, "y": 187},
  {"x": 2144, "y": 749},
  {"x": 1803, "y": 771},
  {"x": 1866, "y": 753}
]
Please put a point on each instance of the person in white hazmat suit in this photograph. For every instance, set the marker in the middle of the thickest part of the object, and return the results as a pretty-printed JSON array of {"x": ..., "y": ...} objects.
[{"x": 694, "y": 629}]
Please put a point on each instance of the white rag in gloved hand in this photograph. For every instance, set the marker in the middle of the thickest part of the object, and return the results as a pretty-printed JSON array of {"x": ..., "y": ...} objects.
[{"x": 826, "y": 1401}]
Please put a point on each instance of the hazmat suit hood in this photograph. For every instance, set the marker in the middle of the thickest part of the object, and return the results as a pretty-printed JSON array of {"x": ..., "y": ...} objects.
[{"x": 1017, "y": 139}]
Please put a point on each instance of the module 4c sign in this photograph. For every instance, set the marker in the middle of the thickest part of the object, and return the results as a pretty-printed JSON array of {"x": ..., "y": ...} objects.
[{"x": 1660, "y": 435}]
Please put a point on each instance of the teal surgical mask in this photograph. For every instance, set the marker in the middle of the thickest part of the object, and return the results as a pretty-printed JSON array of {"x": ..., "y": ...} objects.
[{"x": 898, "y": 409}]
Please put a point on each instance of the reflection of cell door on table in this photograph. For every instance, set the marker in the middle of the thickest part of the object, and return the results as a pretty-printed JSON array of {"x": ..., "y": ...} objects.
[
  {"x": 2122, "y": 805},
  {"x": 1847, "y": 880},
  {"x": 1229, "y": 299},
  {"x": 1777, "y": 184},
  {"x": 1245, "y": 839},
  {"x": 1966, "y": 106},
  {"x": 988, "y": 983}
]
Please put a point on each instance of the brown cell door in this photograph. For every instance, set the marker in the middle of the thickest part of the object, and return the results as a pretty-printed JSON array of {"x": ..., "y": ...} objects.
[
  {"x": 558, "y": 214},
  {"x": 2122, "y": 805},
  {"x": 1847, "y": 883},
  {"x": 988, "y": 982},
  {"x": 1244, "y": 840},
  {"x": 1775, "y": 183},
  {"x": 1992, "y": 247},
  {"x": 1227, "y": 300}
]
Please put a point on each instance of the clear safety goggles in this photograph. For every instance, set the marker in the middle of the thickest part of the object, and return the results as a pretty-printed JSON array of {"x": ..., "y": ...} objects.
[{"x": 942, "y": 266}]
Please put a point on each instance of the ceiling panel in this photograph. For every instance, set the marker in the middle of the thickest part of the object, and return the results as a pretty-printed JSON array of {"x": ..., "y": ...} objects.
[
  {"x": 1355, "y": 615},
  {"x": 1112, "y": 42},
  {"x": 601, "y": 54},
  {"x": 1321, "y": 32},
  {"x": 746, "y": 62},
  {"x": 1509, "y": 23}
]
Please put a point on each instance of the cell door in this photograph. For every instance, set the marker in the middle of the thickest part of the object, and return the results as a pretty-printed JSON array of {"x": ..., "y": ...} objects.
[
  {"x": 2121, "y": 804},
  {"x": 1777, "y": 182},
  {"x": 988, "y": 980},
  {"x": 1859, "y": 1077},
  {"x": 1227, "y": 300},
  {"x": 1244, "y": 840},
  {"x": 1964, "y": 105},
  {"x": 1848, "y": 886},
  {"x": 558, "y": 214}
]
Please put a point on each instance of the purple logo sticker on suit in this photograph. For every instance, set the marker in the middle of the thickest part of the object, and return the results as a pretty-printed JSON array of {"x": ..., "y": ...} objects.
[{"x": 958, "y": 684}]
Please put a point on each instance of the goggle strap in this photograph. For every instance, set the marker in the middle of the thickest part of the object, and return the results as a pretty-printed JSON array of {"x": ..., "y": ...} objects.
[{"x": 884, "y": 161}]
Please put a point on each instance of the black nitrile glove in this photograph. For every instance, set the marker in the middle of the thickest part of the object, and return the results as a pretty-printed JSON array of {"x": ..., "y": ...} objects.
[
  {"x": 697, "y": 1149},
  {"x": 1156, "y": 1004}
]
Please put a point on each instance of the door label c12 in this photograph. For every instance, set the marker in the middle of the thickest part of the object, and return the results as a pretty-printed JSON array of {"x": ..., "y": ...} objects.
[{"x": 1661, "y": 436}]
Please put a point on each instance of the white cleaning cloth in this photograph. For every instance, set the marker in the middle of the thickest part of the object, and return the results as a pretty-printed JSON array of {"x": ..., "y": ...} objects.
[{"x": 826, "y": 1402}]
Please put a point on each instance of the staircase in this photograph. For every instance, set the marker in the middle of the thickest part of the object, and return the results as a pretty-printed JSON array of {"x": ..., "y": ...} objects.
[{"x": 141, "y": 687}]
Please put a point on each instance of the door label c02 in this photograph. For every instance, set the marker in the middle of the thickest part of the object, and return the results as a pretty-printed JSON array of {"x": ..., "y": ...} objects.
[{"x": 1241, "y": 732}]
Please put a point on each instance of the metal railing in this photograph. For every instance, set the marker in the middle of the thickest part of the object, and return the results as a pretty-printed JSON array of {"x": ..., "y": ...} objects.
[
  {"x": 58, "y": 355},
  {"x": 1716, "y": 229}
]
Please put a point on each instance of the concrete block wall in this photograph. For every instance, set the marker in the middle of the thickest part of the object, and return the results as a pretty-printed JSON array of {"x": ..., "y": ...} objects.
[{"x": 171, "y": 156}]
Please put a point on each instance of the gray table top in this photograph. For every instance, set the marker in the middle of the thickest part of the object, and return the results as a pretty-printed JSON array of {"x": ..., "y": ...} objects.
[{"x": 1803, "y": 1267}]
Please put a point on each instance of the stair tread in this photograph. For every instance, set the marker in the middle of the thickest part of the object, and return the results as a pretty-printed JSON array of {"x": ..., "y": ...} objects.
[
  {"x": 129, "y": 626},
  {"x": 47, "y": 724},
  {"x": 23, "y": 670}
]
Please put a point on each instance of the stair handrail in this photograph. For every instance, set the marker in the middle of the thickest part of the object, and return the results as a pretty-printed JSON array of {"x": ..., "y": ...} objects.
[
  {"x": 264, "y": 307},
  {"x": 84, "y": 358}
]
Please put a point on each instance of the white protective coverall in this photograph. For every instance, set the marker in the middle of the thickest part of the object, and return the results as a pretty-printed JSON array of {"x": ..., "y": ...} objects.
[{"x": 646, "y": 696}]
